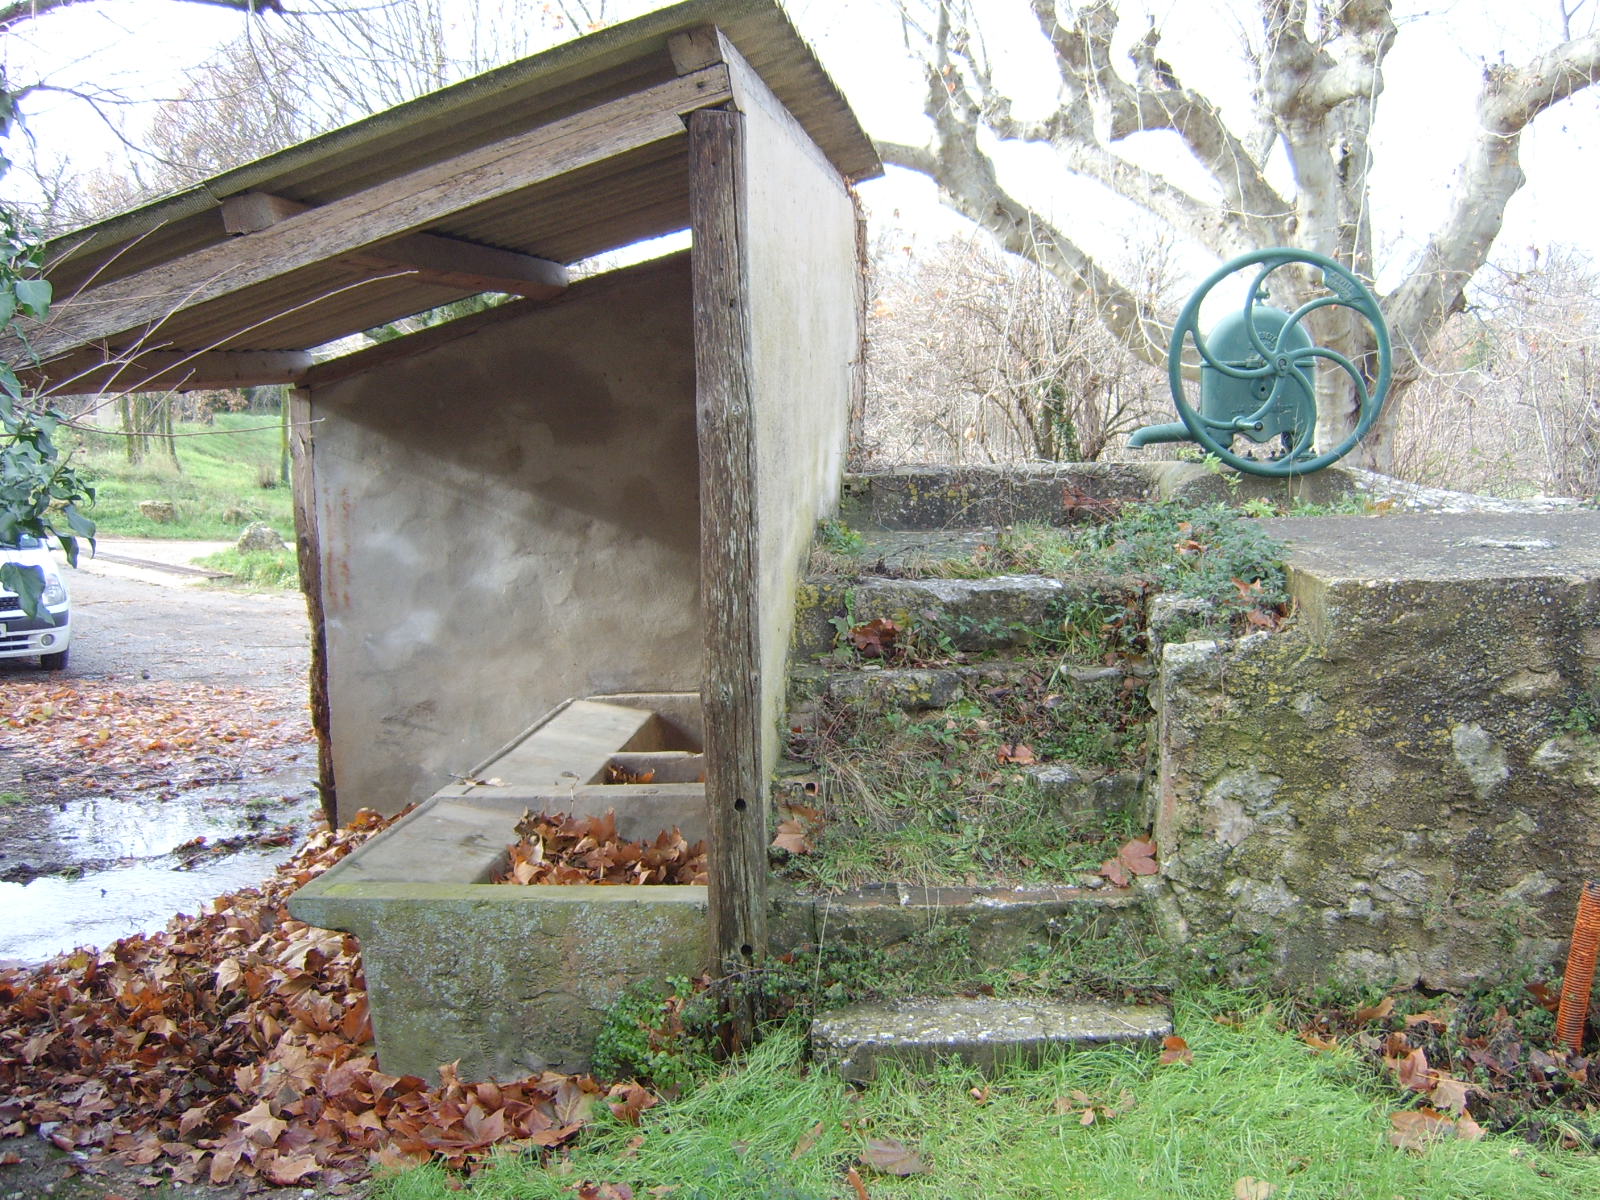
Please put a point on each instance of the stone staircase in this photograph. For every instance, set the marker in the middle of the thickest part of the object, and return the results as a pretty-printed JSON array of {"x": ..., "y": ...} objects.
[{"x": 957, "y": 644}]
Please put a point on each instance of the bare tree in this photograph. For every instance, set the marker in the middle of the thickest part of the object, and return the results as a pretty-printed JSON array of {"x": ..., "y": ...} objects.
[
  {"x": 1317, "y": 75},
  {"x": 974, "y": 355},
  {"x": 324, "y": 63}
]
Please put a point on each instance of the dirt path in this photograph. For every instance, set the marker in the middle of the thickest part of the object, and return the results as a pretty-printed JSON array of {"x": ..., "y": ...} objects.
[
  {"x": 137, "y": 623},
  {"x": 180, "y": 717}
]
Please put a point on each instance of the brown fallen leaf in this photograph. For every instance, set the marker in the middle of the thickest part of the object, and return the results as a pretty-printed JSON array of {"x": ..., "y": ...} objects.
[
  {"x": 1016, "y": 753},
  {"x": 628, "y": 1101},
  {"x": 853, "y": 1178},
  {"x": 1450, "y": 1094},
  {"x": 875, "y": 638},
  {"x": 1175, "y": 1050},
  {"x": 807, "y": 1140},
  {"x": 1134, "y": 858},
  {"x": 888, "y": 1156},
  {"x": 1377, "y": 1012},
  {"x": 1248, "y": 1187},
  {"x": 1411, "y": 1070},
  {"x": 797, "y": 834},
  {"x": 1418, "y": 1128}
]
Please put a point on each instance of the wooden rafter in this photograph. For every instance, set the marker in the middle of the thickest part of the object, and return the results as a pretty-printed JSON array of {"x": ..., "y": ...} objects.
[
  {"x": 96, "y": 370},
  {"x": 429, "y": 257},
  {"x": 400, "y": 206}
]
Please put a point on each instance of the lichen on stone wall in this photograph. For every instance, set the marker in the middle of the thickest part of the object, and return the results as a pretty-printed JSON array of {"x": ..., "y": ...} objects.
[{"x": 1364, "y": 793}]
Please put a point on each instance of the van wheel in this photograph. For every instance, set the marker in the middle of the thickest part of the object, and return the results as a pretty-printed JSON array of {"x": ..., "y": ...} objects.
[{"x": 55, "y": 662}]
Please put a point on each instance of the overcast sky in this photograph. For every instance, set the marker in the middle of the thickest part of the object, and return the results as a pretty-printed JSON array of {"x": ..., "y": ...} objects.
[{"x": 1426, "y": 121}]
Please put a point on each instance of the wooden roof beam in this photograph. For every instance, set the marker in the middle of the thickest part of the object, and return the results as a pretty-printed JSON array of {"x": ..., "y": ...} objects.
[
  {"x": 93, "y": 371},
  {"x": 403, "y": 205},
  {"x": 429, "y": 257}
]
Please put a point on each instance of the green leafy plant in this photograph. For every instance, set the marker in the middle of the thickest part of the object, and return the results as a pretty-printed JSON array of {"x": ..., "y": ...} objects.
[
  {"x": 1211, "y": 552},
  {"x": 1584, "y": 715},
  {"x": 39, "y": 490},
  {"x": 662, "y": 1034},
  {"x": 836, "y": 537}
]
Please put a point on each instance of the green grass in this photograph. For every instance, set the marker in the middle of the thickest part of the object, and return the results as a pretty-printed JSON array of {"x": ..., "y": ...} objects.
[
  {"x": 942, "y": 797},
  {"x": 267, "y": 570},
  {"x": 1255, "y": 1102},
  {"x": 217, "y": 487}
]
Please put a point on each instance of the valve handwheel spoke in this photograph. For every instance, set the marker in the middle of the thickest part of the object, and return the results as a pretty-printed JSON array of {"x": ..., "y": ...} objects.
[{"x": 1278, "y": 348}]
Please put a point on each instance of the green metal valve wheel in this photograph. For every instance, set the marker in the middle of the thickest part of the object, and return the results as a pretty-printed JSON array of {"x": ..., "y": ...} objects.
[{"x": 1258, "y": 370}]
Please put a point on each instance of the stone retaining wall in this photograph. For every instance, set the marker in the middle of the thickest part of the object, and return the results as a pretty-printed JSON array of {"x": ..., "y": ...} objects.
[{"x": 1385, "y": 791}]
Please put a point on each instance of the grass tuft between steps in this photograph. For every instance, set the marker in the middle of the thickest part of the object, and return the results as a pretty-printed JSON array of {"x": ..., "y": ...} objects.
[{"x": 1255, "y": 1103}]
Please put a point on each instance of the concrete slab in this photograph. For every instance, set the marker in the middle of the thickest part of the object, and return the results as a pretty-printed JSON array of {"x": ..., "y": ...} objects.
[
  {"x": 997, "y": 925},
  {"x": 934, "y": 497},
  {"x": 1459, "y": 546},
  {"x": 984, "y": 1032}
]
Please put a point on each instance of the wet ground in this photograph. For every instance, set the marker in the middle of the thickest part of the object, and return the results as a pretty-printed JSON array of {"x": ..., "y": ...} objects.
[{"x": 169, "y": 763}]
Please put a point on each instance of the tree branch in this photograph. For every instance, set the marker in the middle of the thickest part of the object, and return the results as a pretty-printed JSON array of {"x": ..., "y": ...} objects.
[
  {"x": 1254, "y": 213},
  {"x": 12, "y": 15},
  {"x": 1492, "y": 174},
  {"x": 967, "y": 183}
]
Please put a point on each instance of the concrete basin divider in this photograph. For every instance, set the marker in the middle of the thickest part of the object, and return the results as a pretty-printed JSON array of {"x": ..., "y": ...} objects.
[{"x": 511, "y": 980}]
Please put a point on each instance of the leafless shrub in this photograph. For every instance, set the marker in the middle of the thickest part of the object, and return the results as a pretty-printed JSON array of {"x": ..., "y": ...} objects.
[
  {"x": 976, "y": 356},
  {"x": 1515, "y": 407}
]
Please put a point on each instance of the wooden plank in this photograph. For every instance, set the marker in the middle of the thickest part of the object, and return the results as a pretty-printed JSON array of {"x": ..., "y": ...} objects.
[
  {"x": 308, "y": 551},
  {"x": 707, "y": 46},
  {"x": 402, "y": 205},
  {"x": 451, "y": 262},
  {"x": 251, "y": 212},
  {"x": 736, "y": 802},
  {"x": 431, "y": 257},
  {"x": 163, "y": 370}
]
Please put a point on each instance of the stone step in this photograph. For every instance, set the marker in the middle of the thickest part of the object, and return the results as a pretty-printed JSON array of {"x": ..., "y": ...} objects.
[
  {"x": 994, "y": 925},
  {"x": 1002, "y": 612},
  {"x": 918, "y": 689},
  {"x": 984, "y": 1032},
  {"x": 965, "y": 497}
]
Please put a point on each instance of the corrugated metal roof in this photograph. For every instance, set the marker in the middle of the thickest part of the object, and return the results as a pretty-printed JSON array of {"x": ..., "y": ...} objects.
[{"x": 629, "y": 196}]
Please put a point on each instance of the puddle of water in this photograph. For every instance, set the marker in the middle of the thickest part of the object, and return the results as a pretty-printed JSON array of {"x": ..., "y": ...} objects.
[
  {"x": 104, "y": 827},
  {"x": 52, "y": 915},
  {"x": 148, "y": 886}
]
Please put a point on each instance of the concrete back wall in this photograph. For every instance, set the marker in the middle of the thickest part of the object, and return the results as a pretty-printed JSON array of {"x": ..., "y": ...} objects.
[
  {"x": 507, "y": 520},
  {"x": 803, "y": 275}
]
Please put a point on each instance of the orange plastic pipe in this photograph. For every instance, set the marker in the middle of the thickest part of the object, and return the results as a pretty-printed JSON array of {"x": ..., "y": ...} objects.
[{"x": 1579, "y": 979}]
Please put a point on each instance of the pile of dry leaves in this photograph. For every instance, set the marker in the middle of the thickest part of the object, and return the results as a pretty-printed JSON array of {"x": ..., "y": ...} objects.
[
  {"x": 237, "y": 1043},
  {"x": 556, "y": 848},
  {"x": 1474, "y": 1066},
  {"x": 84, "y": 736}
]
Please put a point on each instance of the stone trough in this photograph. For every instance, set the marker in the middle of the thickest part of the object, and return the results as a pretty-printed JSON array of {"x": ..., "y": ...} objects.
[{"x": 512, "y": 979}]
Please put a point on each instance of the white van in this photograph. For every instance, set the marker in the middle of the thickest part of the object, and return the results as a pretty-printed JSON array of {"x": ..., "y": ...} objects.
[{"x": 47, "y": 635}]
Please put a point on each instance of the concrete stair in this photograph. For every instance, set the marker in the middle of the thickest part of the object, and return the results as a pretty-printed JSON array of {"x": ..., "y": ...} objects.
[
  {"x": 982, "y": 634},
  {"x": 985, "y": 1032}
]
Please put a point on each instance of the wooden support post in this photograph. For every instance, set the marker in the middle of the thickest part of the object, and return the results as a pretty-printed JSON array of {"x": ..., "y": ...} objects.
[
  {"x": 736, "y": 794},
  {"x": 308, "y": 551}
]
